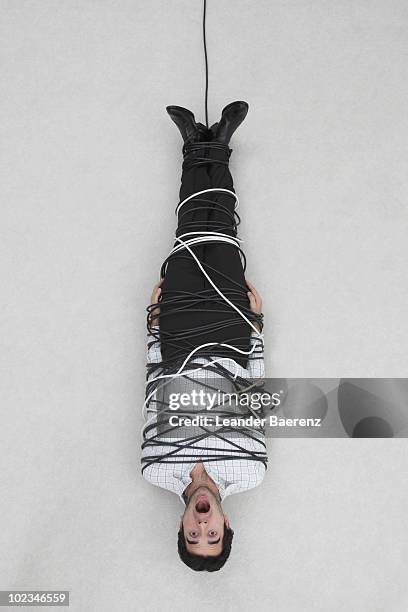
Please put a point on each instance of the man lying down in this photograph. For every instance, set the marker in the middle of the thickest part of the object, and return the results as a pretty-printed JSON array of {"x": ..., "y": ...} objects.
[{"x": 205, "y": 342}]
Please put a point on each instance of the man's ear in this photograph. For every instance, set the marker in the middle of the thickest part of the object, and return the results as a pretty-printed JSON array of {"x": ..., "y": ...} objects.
[
  {"x": 181, "y": 522},
  {"x": 227, "y": 523}
]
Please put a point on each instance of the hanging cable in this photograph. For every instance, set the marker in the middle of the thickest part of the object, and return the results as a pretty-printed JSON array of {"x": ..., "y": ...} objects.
[{"x": 206, "y": 64}]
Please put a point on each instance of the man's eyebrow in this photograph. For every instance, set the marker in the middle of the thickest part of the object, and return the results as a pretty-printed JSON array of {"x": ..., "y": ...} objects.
[{"x": 210, "y": 543}]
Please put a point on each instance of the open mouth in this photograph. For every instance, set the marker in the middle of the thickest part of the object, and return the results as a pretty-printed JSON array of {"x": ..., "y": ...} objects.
[{"x": 202, "y": 506}]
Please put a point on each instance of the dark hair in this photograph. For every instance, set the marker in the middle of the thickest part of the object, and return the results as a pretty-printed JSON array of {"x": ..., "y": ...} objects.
[{"x": 200, "y": 563}]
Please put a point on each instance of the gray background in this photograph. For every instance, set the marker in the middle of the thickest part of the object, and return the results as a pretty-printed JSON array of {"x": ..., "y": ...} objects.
[{"x": 90, "y": 169}]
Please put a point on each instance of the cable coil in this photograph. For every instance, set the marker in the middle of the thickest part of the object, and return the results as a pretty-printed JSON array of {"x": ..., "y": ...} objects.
[{"x": 190, "y": 366}]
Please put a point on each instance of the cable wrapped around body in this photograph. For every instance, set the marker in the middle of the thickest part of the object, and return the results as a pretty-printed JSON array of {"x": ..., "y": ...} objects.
[{"x": 204, "y": 321}]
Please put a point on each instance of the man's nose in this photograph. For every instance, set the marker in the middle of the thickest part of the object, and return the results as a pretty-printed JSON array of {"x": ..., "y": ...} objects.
[{"x": 202, "y": 521}]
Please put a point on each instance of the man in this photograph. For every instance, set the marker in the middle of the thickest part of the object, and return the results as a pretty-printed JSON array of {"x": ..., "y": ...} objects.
[{"x": 205, "y": 321}]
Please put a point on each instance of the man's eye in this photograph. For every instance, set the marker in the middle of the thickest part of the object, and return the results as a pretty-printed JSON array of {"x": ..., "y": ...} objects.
[
  {"x": 212, "y": 533},
  {"x": 193, "y": 534}
]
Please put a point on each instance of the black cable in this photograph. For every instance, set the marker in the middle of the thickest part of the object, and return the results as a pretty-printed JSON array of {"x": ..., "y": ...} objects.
[{"x": 206, "y": 64}]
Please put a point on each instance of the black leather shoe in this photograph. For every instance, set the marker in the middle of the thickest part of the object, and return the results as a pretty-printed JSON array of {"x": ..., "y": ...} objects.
[
  {"x": 232, "y": 116},
  {"x": 185, "y": 121}
]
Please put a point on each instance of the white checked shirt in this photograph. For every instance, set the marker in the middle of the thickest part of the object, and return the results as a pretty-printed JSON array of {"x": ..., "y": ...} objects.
[{"x": 230, "y": 476}]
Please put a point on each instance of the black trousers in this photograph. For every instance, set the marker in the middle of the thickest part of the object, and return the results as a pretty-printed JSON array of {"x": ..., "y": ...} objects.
[{"x": 191, "y": 311}]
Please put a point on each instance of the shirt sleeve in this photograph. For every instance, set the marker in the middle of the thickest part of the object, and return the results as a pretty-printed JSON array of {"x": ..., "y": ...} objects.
[
  {"x": 153, "y": 348},
  {"x": 256, "y": 364},
  {"x": 163, "y": 475},
  {"x": 252, "y": 474}
]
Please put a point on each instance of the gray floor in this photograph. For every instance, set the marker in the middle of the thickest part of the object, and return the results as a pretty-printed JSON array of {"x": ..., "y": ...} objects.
[{"x": 89, "y": 181}]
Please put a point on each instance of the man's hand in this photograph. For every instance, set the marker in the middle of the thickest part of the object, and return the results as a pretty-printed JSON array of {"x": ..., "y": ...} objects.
[
  {"x": 154, "y": 315},
  {"x": 255, "y": 301}
]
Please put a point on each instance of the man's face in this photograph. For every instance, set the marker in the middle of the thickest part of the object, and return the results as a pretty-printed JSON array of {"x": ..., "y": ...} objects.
[{"x": 203, "y": 523}]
